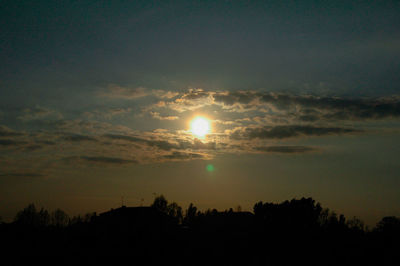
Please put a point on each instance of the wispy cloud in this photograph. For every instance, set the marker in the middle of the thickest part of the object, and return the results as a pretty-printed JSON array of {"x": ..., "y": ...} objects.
[
  {"x": 157, "y": 115},
  {"x": 108, "y": 113},
  {"x": 281, "y": 132},
  {"x": 11, "y": 142},
  {"x": 106, "y": 160},
  {"x": 176, "y": 155},
  {"x": 38, "y": 113},
  {"x": 115, "y": 91},
  {"x": 191, "y": 100},
  {"x": 79, "y": 138},
  {"x": 242, "y": 122},
  {"x": 286, "y": 149},
  {"x": 307, "y": 108},
  {"x": 21, "y": 174},
  {"x": 312, "y": 108},
  {"x": 165, "y": 94},
  {"x": 160, "y": 144},
  {"x": 7, "y": 132}
]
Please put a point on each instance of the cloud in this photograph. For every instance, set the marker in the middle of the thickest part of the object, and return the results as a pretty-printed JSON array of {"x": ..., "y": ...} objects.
[
  {"x": 339, "y": 108},
  {"x": 79, "y": 138},
  {"x": 115, "y": 91},
  {"x": 232, "y": 98},
  {"x": 176, "y": 155},
  {"x": 85, "y": 127},
  {"x": 269, "y": 117},
  {"x": 7, "y": 132},
  {"x": 196, "y": 98},
  {"x": 22, "y": 174},
  {"x": 195, "y": 94},
  {"x": 276, "y": 107},
  {"x": 286, "y": 149},
  {"x": 107, "y": 160},
  {"x": 241, "y": 101},
  {"x": 39, "y": 113},
  {"x": 279, "y": 107},
  {"x": 165, "y": 94},
  {"x": 148, "y": 147},
  {"x": 289, "y": 131},
  {"x": 197, "y": 145},
  {"x": 191, "y": 100},
  {"x": 11, "y": 142},
  {"x": 161, "y": 144},
  {"x": 107, "y": 114},
  {"x": 124, "y": 137},
  {"x": 46, "y": 142},
  {"x": 323, "y": 108},
  {"x": 157, "y": 115},
  {"x": 33, "y": 147}
]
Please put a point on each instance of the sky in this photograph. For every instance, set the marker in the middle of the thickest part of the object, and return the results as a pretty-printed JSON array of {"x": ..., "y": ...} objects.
[{"x": 302, "y": 97}]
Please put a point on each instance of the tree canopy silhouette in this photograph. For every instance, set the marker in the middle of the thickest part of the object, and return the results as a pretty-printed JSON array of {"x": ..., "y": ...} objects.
[{"x": 291, "y": 232}]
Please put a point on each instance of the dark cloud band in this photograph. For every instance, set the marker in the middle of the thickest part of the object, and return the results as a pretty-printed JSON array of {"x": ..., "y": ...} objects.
[
  {"x": 285, "y": 149},
  {"x": 290, "y": 131}
]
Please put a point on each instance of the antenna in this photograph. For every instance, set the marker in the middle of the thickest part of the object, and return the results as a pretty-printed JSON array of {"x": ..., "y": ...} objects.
[{"x": 122, "y": 201}]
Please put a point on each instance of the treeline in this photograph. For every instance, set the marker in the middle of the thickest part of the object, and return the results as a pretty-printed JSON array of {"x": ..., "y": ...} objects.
[
  {"x": 30, "y": 216},
  {"x": 292, "y": 232},
  {"x": 302, "y": 214},
  {"x": 296, "y": 214}
]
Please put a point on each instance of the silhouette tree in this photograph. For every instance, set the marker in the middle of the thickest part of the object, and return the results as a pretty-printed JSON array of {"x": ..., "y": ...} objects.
[
  {"x": 89, "y": 217},
  {"x": 172, "y": 209},
  {"x": 28, "y": 216},
  {"x": 59, "y": 218},
  {"x": 175, "y": 211},
  {"x": 44, "y": 217},
  {"x": 296, "y": 214},
  {"x": 31, "y": 217},
  {"x": 389, "y": 228},
  {"x": 76, "y": 220},
  {"x": 291, "y": 232},
  {"x": 160, "y": 204},
  {"x": 355, "y": 224},
  {"x": 190, "y": 214}
]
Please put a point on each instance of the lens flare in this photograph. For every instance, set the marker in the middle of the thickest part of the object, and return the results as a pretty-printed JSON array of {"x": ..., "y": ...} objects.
[
  {"x": 210, "y": 168},
  {"x": 200, "y": 127}
]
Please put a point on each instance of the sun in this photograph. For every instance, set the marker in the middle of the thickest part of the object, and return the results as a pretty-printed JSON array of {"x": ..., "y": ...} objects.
[{"x": 200, "y": 126}]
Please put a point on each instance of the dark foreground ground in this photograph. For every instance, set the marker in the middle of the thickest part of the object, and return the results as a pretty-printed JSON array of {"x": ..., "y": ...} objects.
[{"x": 298, "y": 232}]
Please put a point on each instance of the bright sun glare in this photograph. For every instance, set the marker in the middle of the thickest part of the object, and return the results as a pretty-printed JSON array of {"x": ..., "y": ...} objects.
[{"x": 200, "y": 126}]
